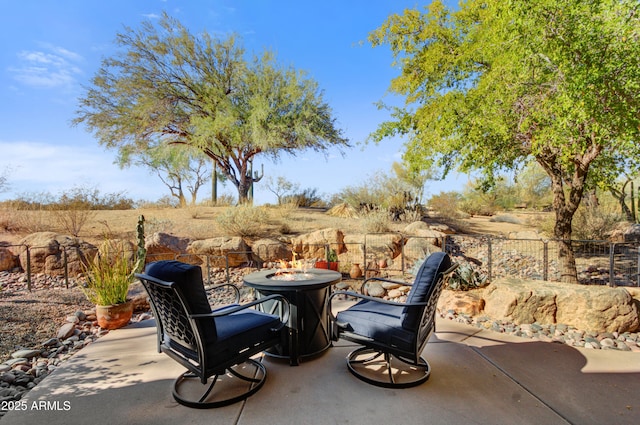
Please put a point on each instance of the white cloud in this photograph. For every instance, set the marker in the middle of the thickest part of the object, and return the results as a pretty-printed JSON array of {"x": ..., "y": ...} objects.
[
  {"x": 38, "y": 167},
  {"x": 51, "y": 67}
]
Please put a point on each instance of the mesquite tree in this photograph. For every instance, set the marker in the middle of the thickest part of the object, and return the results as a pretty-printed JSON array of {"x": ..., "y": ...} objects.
[
  {"x": 166, "y": 85},
  {"x": 499, "y": 83}
]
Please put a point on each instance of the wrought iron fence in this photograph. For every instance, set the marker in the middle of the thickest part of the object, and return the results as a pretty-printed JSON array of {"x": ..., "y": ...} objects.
[{"x": 597, "y": 262}]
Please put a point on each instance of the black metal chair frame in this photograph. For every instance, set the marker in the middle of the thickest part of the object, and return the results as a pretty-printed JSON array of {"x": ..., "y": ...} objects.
[
  {"x": 374, "y": 350},
  {"x": 198, "y": 364}
]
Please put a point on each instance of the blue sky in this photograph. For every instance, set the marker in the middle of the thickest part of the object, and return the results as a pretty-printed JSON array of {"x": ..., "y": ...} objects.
[{"x": 51, "y": 49}]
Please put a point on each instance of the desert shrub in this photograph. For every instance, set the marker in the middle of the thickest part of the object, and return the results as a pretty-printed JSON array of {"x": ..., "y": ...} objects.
[
  {"x": 307, "y": 198},
  {"x": 595, "y": 223},
  {"x": 505, "y": 218},
  {"x": 377, "y": 221},
  {"x": 413, "y": 215},
  {"x": 156, "y": 225},
  {"x": 222, "y": 200},
  {"x": 475, "y": 205},
  {"x": 226, "y": 200},
  {"x": 379, "y": 190},
  {"x": 34, "y": 201},
  {"x": 73, "y": 220},
  {"x": 446, "y": 204},
  {"x": 84, "y": 198},
  {"x": 285, "y": 211},
  {"x": 465, "y": 277},
  {"x": 355, "y": 196},
  {"x": 193, "y": 211},
  {"x": 5, "y": 220},
  {"x": 243, "y": 220},
  {"x": 30, "y": 221},
  {"x": 164, "y": 202}
]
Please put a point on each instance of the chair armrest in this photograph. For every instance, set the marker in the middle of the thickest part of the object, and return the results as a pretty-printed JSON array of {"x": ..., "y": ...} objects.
[
  {"x": 236, "y": 291},
  {"x": 229, "y": 310}
]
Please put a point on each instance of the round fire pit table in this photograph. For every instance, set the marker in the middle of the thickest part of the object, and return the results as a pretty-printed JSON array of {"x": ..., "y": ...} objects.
[{"x": 307, "y": 292}]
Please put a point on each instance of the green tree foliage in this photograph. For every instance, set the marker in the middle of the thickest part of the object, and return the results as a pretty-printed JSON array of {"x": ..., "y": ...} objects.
[
  {"x": 533, "y": 187},
  {"x": 499, "y": 83},
  {"x": 166, "y": 85}
]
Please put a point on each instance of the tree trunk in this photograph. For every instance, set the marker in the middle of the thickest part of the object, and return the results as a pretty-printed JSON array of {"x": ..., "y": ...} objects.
[
  {"x": 562, "y": 232},
  {"x": 243, "y": 187},
  {"x": 564, "y": 210}
]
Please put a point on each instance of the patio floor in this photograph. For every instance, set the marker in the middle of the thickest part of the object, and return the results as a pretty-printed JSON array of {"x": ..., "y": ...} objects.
[{"x": 479, "y": 377}]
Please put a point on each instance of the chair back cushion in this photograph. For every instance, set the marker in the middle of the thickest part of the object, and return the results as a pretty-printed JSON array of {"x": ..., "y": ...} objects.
[
  {"x": 188, "y": 289},
  {"x": 423, "y": 287}
]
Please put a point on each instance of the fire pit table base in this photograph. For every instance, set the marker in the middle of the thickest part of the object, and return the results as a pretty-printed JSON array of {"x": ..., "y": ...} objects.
[{"x": 309, "y": 317}]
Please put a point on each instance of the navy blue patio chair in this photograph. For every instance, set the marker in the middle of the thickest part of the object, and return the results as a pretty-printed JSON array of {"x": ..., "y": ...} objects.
[
  {"x": 393, "y": 335},
  {"x": 215, "y": 346}
]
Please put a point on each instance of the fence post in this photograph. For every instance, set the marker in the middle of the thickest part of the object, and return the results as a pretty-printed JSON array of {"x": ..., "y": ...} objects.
[
  {"x": 638, "y": 267},
  {"x": 545, "y": 260},
  {"x": 28, "y": 268},
  {"x": 402, "y": 262},
  {"x": 65, "y": 263},
  {"x": 364, "y": 255},
  {"x": 612, "y": 250},
  {"x": 490, "y": 258},
  {"x": 208, "y": 270}
]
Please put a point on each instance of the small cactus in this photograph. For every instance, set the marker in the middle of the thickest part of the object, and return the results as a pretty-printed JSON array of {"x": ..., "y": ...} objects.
[{"x": 142, "y": 251}]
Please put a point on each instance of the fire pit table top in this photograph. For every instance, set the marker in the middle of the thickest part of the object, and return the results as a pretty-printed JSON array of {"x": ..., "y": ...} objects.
[{"x": 303, "y": 280}]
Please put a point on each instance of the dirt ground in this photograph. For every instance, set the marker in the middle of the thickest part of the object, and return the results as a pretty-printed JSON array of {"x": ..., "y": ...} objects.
[{"x": 200, "y": 223}]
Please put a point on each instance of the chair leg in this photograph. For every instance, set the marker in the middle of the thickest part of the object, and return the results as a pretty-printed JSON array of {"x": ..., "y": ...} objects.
[
  {"x": 397, "y": 372},
  {"x": 220, "y": 398}
]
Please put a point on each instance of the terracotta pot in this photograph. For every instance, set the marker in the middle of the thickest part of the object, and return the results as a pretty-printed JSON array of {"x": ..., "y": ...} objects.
[
  {"x": 333, "y": 265},
  {"x": 355, "y": 271},
  {"x": 114, "y": 316}
]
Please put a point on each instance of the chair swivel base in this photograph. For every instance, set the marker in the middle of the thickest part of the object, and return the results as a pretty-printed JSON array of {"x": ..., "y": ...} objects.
[
  {"x": 231, "y": 386},
  {"x": 385, "y": 370}
]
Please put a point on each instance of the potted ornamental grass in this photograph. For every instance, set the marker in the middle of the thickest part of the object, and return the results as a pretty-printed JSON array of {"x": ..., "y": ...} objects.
[{"x": 108, "y": 277}]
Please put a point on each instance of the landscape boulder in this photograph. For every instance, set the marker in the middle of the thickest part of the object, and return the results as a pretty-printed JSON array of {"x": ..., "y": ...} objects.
[
  {"x": 417, "y": 249},
  {"x": 268, "y": 250},
  {"x": 47, "y": 252},
  {"x": 312, "y": 245},
  {"x": 114, "y": 249},
  {"x": 163, "y": 246},
  {"x": 470, "y": 303},
  {"x": 632, "y": 234},
  {"x": 218, "y": 249},
  {"x": 354, "y": 242},
  {"x": 423, "y": 230},
  {"x": 8, "y": 260},
  {"x": 384, "y": 245},
  {"x": 591, "y": 308}
]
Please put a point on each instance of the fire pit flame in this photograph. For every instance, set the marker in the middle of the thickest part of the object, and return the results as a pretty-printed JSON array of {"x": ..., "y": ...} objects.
[
  {"x": 292, "y": 275},
  {"x": 295, "y": 270}
]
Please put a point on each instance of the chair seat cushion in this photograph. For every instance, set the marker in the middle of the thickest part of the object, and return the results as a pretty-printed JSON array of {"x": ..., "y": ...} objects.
[
  {"x": 382, "y": 322},
  {"x": 234, "y": 330},
  {"x": 241, "y": 330}
]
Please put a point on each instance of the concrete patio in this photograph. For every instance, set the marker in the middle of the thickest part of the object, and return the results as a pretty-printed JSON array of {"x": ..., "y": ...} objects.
[{"x": 479, "y": 377}]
